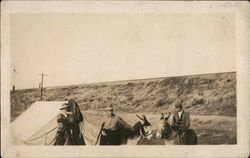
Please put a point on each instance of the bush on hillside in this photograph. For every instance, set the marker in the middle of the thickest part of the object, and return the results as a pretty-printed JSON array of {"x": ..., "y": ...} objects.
[
  {"x": 170, "y": 100},
  {"x": 130, "y": 84},
  {"x": 197, "y": 101},
  {"x": 160, "y": 103}
]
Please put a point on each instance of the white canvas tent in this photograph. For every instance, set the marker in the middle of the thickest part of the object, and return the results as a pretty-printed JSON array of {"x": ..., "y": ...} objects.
[{"x": 37, "y": 125}]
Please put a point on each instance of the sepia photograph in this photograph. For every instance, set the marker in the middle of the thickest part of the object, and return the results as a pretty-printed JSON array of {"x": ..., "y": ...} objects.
[
  {"x": 117, "y": 78},
  {"x": 60, "y": 49}
]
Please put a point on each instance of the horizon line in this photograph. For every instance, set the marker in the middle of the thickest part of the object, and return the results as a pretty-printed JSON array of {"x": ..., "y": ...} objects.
[{"x": 125, "y": 80}]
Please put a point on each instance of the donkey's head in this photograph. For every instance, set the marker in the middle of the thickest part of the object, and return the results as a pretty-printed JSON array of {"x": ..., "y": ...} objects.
[
  {"x": 145, "y": 129},
  {"x": 163, "y": 125}
]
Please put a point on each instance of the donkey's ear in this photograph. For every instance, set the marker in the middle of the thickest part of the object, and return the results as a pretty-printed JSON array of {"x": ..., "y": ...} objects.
[
  {"x": 168, "y": 116},
  {"x": 162, "y": 116},
  {"x": 140, "y": 117}
]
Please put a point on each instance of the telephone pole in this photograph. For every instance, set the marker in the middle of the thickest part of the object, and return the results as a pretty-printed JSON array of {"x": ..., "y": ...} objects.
[{"x": 42, "y": 85}]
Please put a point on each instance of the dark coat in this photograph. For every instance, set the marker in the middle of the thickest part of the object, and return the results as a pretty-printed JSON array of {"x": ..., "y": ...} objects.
[
  {"x": 181, "y": 124},
  {"x": 74, "y": 120}
]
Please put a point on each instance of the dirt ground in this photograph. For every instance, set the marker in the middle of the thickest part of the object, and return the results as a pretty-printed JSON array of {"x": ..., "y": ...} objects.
[{"x": 209, "y": 129}]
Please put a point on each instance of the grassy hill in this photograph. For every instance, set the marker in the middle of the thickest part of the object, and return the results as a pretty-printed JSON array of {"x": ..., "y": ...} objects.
[{"x": 210, "y": 94}]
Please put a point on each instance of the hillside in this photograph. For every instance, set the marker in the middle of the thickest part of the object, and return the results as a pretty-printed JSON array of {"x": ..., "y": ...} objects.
[{"x": 210, "y": 94}]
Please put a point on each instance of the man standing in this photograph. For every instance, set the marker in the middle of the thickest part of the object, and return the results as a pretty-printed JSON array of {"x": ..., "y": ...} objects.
[
  {"x": 180, "y": 122},
  {"x": 63, "y": 130},
  {"x": 111, "y": 128}
]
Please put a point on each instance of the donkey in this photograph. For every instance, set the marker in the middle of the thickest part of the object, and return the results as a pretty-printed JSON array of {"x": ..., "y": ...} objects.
[
  {"x": 131, "y": 136},
  {"x": 141, "y": 130},
  {"x": 170, "y": 136}
]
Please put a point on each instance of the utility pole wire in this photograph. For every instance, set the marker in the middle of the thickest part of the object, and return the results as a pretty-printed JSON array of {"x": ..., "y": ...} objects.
[{"x": 42, "y": 85}]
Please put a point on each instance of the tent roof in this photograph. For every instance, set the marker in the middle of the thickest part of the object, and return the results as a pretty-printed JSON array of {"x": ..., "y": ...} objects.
[{"x": 34, "y": 118}]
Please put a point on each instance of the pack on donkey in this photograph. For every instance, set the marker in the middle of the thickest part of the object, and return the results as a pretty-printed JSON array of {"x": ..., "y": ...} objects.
[
  {"x": 115, "y": 131},
  {"x": 68, "y": 131}
]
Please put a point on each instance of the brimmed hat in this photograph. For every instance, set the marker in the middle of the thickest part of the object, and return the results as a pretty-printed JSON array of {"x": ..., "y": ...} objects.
[
  {"x": 64, "y": 105},
  {"x": 178, "y": 103}
]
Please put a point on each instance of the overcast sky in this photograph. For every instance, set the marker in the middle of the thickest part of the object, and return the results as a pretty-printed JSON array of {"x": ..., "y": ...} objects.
[{"x": 87, "y": 48}]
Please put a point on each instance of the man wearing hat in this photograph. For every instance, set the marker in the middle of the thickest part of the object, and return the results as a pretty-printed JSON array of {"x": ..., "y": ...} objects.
[
  {"x": 63, "y": 131},
  {"x": 181, "y": 121},
  {"x": 111, "y": 128}
]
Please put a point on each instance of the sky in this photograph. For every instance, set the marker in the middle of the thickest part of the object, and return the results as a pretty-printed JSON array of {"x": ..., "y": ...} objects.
[{"x": 90, "y": 48}]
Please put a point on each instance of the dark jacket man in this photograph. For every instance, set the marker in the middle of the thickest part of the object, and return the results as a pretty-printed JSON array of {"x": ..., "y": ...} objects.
[
  {"x": 181, "y": 123},
  {"x": 181, "y": 119}
]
